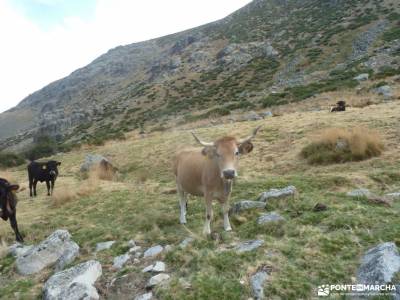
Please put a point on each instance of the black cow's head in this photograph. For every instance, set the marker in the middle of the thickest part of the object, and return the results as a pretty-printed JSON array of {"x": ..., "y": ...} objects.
[{"x": 52, "y": 168}]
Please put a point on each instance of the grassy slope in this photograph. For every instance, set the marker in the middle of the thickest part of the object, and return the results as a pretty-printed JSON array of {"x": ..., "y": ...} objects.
[{"x": 308, "y": 250}]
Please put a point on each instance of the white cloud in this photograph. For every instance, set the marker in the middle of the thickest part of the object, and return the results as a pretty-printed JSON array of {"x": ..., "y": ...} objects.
[{"x": 31, "y": 57}]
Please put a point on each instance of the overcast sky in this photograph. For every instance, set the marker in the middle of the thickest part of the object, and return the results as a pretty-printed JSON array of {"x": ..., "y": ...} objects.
[{"x": 45, "y": 40}]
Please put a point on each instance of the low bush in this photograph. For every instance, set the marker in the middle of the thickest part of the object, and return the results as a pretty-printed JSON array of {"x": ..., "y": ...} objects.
[
  {"x": 338, "y": 145},
  {"x": 8, "y": 160}
]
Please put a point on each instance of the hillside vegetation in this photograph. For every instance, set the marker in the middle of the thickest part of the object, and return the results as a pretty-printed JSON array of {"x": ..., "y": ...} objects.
[
  {"x": 309, "y": 249},
  {"x": 269, "y": 53}
]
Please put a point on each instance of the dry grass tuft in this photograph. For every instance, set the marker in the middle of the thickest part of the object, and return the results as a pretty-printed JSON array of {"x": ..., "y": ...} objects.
[
  {"x": 3, "y": 248},
  {"x": 338, "y": 145}
]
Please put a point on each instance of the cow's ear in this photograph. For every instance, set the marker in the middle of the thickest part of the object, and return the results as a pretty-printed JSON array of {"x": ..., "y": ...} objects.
[
  {"x": 59, "y": 163},
  {"x": 209, "y": 151},
  {"x": 14, "y": 187},
  {"x": 246, "y": 147}
]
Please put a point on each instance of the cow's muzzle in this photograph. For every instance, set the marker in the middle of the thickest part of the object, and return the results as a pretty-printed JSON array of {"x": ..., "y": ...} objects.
[{"x": 229, "y": 173}]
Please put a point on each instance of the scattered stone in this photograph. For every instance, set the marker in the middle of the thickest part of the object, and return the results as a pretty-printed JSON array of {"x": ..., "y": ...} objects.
[
  {"x": 158, "y": 267},
  {"x": 277, "y": 193},
  {"x": 121, "y": 260},
  {"x": 131, "y": 243},
  {"x": 385, "y": 91},
  {"x": 168, "y": 248},
  {"x": 257, "y": 282},
  {"x": 104, "y": 245},
  {"x": 320, "y": 207},
  {"x": 362, "y": 77},
  {"x": 393, "y": 196},
  {"x": 246, "y": 205},
  {"x": 157, "y": 280},
  {"x": 135, "y": 249},
  {"x": 358, "y": 193},
  {"x": 57, "y": 249},
  {"x": 153, "y": 251},
  {"x": 186, "y": 242},
  {"x": 270, "y": 218},
  {"x": 18, "y": 249},
  {"x": 249, "y": 246},
  {"x": 74, "y": 283},
  {"x": 379, "y": 264},
  {"x": 147, "y": 296},
  {"x": 185, "y": 283}
]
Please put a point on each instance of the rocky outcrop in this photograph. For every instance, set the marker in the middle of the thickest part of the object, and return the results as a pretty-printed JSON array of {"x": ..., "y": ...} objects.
[
  {"x": 57, "y": 249},
  {"x": 74, "y": 283}
]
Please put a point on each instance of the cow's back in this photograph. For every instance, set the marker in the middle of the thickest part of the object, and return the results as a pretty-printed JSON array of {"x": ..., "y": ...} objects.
[
  {"x": 188, "y": 167},
  {"x": 35, "y": 171}
]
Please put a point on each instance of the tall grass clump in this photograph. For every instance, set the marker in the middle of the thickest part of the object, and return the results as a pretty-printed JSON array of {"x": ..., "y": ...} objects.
[
  {"x": 8, "y": 160},
  {"x": 339, "y": 145}
]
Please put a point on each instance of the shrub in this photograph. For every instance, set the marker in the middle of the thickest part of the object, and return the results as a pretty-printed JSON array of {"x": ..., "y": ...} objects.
[
  {"x": 338, "y": 145},
  {"x": 44, "y": 146},
  {"x": 8, "y": 160}
]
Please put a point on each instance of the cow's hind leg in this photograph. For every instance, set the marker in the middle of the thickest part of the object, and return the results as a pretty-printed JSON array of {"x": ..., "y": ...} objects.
[
  {"x": 52, "y": 186},
  {"x": 183, "y": 205},
  {"x": 14, "y": 225},
  {"x": 209, "y": 216},
  {"x": 225, "y": 211}
]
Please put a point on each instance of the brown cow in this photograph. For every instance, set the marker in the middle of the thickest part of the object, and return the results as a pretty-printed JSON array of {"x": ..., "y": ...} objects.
[
  {"x": 209, "y": 172},
  {"x": 8, "y": 204}
]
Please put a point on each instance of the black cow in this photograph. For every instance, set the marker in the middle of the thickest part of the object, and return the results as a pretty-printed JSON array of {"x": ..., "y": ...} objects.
[
  {"x": 42, "y": 171},
  {"x": 8, "y": 206},
  {"x": 340, "y": 106}
]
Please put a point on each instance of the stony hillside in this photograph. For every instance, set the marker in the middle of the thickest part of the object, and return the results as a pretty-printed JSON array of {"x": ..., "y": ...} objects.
[
  {"x": 266, "y": 54},
  {"x": 307, "y": 246}
]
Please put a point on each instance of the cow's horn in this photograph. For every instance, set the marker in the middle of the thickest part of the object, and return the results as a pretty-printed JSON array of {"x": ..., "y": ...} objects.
[
  {"x": 200, "y": 141},
  {"x": 249, "y": 138}
]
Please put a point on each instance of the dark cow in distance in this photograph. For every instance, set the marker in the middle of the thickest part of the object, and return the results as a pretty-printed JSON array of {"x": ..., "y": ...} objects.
[
  {"x": 43, "y": 171},
  {"x": 8, "y": 205},
  {"x": 340, "y": 106}
]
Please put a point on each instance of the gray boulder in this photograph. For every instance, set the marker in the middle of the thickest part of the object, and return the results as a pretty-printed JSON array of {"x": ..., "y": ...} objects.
[
  {"x": 270, "y": 218},
  {"x": 75, "y": 283},
  {"x": 393, "y": 196},
  {"x": 246, "y": 205},
  {"x": 57, "y": 249},
  {"x": 362, "y": 77},
  {"x": 257, "y": 282},
  {"x": 121, "y": 260},
  {"x": 277, "y": 193},
  {"x": 358, "y": 193},
  {"x": 385, "y": 91},
  {"x": 249, "y": 246},
  {"x": 147, "y": 296},
  {"x": 95, "y": 160},
  {"x": 104, "y": 245},
  {"x": 153, "y": 251},
  {"x": 157, "y": 267},
  {"x": 379, "y": 264},
  {"x": 266, "y": 114}
]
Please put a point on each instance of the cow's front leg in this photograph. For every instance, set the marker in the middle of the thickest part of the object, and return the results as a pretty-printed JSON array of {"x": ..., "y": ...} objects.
[
  {"x": 225, "y": 211},
  {"x": 48, "y": 187},
  {"x": 14, "y": 225},
  {"x": 34, "y": 187},
  {"x": 209, "y": 216},
  {"x": 183, "y": 205}
]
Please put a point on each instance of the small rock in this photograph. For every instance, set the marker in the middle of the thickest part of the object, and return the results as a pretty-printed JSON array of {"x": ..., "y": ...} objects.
[
  {"x": 74, "y": 283},
  {"x": 168, "y": 248},
  {"x": 158, "y": 267},
  {"x": 121, "y": 260},
  {"x": 104, "y": 246},
  {"x": 147, "y": 296},
  {"x": 18, "y": 249},
  {"x": 56, "y": 249},
  {"x": 270, "y": 217},
  {"x": 357, "y": 193},
  {"x": 320, "y": 207},
  {"x": 257, "y": 282},
  {"x": 153, "y": 251},
  {"x": 393, "y": 196},
  {"x": 246, "y": 205},
  {"x": 277, "y": 193},
  {"x": 379, "y": 264},
  {"x": 249, "y": 246},
  {"x": 186, "y": 242},
  {"x": 362, "y": 77},
  {"x": 266, "y": 114},
  {"x": 135, "y": 249},
  {"x": 385, "y": 91},
  {"x": 157, "y": 280},
  {"x": 131, "y": 243},
  {"x": 184, "y": 283}
]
